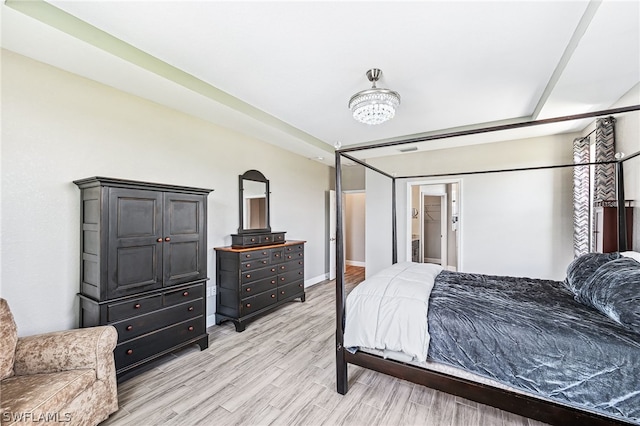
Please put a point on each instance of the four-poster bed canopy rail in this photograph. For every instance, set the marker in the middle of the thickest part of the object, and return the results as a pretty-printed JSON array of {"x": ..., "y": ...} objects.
[{"x": 519, "y": 403}]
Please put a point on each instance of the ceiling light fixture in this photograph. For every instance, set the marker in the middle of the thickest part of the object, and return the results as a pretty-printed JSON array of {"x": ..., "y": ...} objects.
[{"x": 375, "y": 105}]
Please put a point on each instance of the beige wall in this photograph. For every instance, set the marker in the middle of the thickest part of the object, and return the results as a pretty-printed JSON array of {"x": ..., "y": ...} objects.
[{"x": 58, "y": 127}]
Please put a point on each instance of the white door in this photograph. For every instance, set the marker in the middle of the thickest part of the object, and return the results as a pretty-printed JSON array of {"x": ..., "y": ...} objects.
[{"x": 332, "y": 235}]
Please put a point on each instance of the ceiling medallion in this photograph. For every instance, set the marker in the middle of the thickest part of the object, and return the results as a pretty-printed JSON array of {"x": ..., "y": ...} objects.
[{"x": 375, "y": 105}]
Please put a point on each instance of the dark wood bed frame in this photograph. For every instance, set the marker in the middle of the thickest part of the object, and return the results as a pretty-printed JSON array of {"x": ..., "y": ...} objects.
[{"x": 525, "y": 405}]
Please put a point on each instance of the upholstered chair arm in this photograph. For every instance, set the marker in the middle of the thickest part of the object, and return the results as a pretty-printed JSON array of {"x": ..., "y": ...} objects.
[{"x": 67, "y": 350}]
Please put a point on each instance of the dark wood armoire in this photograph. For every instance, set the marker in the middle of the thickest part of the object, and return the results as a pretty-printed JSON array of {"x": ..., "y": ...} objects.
[{"x": 143, "y": 266}]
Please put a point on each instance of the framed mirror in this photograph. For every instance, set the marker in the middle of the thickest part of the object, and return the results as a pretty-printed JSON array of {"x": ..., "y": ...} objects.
[{"x": 254, "y": 203}]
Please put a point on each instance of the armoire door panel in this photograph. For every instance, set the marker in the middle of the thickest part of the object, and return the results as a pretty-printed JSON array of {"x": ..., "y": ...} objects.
[
  {"x": 182, "y": 261},
  {"x": 135, "y": 238},
  {"x": 184, "y": 256}
]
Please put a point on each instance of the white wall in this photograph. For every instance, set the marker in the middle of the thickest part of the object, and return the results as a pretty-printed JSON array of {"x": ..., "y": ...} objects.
[
  {"x": 58, "y": 127},
  {"x": 516, "y": 223},
  {"x": 378, "y": 238},
  {"x": 354, "y": 207}
]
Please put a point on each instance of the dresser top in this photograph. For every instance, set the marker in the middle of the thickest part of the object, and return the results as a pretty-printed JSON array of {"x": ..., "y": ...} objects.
[{"x": 269, "y": 246}]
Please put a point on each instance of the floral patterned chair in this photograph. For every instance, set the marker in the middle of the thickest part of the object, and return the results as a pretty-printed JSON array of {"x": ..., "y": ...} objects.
[{"x": 65, "y": 377}]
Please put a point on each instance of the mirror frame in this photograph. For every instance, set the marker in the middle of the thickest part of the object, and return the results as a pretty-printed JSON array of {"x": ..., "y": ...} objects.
[{"x": 255, "y": 176}]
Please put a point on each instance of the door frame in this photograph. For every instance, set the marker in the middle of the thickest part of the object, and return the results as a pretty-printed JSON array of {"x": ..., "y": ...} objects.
[
  {"x": 443, "y": 227},
  {"x": 459, "y": 226}
]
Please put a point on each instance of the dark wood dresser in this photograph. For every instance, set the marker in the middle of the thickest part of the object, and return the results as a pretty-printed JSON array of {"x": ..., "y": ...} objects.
[
  {"x": 143, "y": 266},
  {"x": 252, "y": 281}
]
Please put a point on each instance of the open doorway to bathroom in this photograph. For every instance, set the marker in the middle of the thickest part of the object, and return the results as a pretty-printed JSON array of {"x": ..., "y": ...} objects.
[{"x": 435, "y": 223}]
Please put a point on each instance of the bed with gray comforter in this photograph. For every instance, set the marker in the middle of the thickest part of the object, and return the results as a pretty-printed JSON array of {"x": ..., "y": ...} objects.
[{"x": 575, "y": 342}]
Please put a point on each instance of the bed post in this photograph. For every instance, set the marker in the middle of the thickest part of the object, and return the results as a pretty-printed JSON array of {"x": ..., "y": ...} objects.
[
  {"x": 622, "y": 209},
  {"x": 394, "y": 230},
  {"x": 341, "y": 364}
]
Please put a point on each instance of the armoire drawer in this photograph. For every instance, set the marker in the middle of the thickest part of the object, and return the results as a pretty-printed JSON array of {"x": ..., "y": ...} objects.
[
  {"x": 135, "y": 350},
  {"x": 184, "y": 294},
  {"x": 133, "y": 307},
  {"x": 142, "y": 324}
]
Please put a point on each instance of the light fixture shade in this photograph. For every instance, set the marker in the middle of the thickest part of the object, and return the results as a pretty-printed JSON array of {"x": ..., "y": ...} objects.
[{"x": 375, "y": 105}]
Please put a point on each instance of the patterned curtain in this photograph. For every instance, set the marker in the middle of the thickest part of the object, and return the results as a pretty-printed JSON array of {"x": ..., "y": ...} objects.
[
  {"x": 581, "y": 197},
  {"x": 604, "y": 191},
  {"x": 605, "y": 174}
]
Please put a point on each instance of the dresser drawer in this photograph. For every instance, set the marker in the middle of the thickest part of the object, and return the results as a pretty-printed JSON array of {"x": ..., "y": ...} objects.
[
  {"x": 256, "y": 287},
  {"x": 182, "y": 295},
  {"x": 294, "y": 248},
  {"x": 137, "y": 326},
  {"x": 254, "y": 254},
  {"x": 276, "y": 255},
  {"x": 290, "y": 290},
  {"x": 266, "y": 239},
  {"x": 290, "y": 266},
  {"x": 293, "y": 255},
  {"x": 133, "y": 307},
  {"x": 278, "y": 237},
  {"x": 258, "y": 274},
  {"x": 254, "y": 264},
  {"x": 255, "y": 303},
  {"x": 290, "y": 276},
  {"x": 132, "y": 351}
]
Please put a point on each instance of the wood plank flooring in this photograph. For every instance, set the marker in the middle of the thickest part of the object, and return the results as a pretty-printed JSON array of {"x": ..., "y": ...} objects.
[{"x": 281, "y": 371}]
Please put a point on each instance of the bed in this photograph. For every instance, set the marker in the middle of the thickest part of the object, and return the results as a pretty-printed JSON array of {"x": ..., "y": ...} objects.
[
  {"x": 577, "y": 364},
  {"x": 491, "y": 326}
]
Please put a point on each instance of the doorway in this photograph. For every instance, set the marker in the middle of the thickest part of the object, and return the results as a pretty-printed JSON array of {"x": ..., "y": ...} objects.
[{"x": 434, "y": 224}]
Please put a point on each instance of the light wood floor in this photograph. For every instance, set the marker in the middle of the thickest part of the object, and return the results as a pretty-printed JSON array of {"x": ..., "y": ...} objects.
[{"x": 281, "y": 371}]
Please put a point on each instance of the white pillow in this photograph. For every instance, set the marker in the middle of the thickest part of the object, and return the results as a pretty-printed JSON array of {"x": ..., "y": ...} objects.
[{"x": 632, "y": 254}]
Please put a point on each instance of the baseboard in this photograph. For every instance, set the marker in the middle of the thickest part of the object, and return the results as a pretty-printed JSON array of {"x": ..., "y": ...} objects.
[
  {"x": 315, "y": 280},
  {"x": 355, "y": 263}
]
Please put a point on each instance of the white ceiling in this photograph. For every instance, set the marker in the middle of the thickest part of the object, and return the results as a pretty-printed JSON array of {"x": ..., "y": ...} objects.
[{"x": 284, "y": 71}]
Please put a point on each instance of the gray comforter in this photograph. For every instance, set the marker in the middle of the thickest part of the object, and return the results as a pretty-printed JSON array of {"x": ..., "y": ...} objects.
[{"x": 533, "y": 335}]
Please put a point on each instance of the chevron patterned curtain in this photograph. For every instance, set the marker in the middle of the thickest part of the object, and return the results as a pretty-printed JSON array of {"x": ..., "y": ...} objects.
[
  {"x": 605, "y": 174},
  {"x": 581, "y": 197}
]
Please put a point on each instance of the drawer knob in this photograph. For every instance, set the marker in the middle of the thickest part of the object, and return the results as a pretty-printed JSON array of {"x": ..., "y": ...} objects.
[
  {"x": 267, "y": 238},
  {"x": 190, "y": 328},
  {"x": 264, "y": 252},
  {"x": 301, "y": 285},
  {"x": 273, "y": 269},
  {"x": 248, "y": 275},
  {"x": 300, "y": 263},
  {"x": 253, "y": 240},
  {"x": 282, "y": 292},
  {"x": 159, "y": 240},
  {"x": 136, "y": 306},
  {"x": 273, "y": 296},
  {"x": 186, "y": 293},
  {"x": 273, "y": 281},
  {"x": 190, "y": 308},
  {"x": 283, "y": 267},
  {"x": 282, "y": 279},
  {"x": 167, "y": 239},
  {"x": 248, "y": 265},
  {"x": 264, "y": 262},
  {"x": 300, "y": 273},
  {"x": 248, "y": 289},
  {"x": 129, "y": 327},
  {"x": 248, "y": 256},
  {"x": 129, "y": 351},
  {"x": 248, "y": 305}
]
